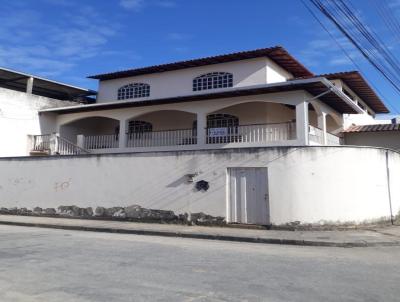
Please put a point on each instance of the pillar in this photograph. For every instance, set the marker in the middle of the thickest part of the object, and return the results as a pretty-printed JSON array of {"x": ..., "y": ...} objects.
[
  {"x": 80, "y": 141},
  {"x": 322, "y": 126},
  {"x": 29, "y": 85},
  {"x": 122, "y": 134},
  {"x": 201, "y": 128},
  {"x": 302, "y": 123}
]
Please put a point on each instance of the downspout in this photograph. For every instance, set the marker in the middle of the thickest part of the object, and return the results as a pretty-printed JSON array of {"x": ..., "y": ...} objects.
[{"x": 388, "y": 186}]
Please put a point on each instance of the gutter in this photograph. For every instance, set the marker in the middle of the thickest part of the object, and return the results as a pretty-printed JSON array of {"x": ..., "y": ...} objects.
[{"x": 322, "y": 80}]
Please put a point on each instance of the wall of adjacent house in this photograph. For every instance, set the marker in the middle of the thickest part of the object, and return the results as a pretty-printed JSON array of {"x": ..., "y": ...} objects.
[
  {"x": 19, "y": 117},
  {"x": 386, "y": 139},
  {"x": 179, "y": 82},
  {"x": 306, "y": 184}
]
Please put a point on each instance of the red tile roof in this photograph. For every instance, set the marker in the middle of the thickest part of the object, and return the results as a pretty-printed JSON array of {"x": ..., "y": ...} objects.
[
  {"x": 356, "y": 82},
  {"x": 373, "y": 128},
  {"x": 278, "y": 54}
]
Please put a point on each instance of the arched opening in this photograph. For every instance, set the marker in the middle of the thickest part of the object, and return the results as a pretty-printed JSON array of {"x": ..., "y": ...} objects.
[
  {"x": 332, "y": 126},
  {"x": 161, "y": 128},
  {"x": 90, "y": 127},
  {"x": 252, "y": 122},
  {"x": 312, "y": 115}
]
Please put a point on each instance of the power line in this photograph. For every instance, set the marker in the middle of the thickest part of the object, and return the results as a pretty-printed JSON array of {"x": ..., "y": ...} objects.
[
  {"x": 346, "y": 53},
  {"x": 366, "y": 41}
]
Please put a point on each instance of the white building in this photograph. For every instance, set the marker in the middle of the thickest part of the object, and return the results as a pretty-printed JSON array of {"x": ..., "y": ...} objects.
[
  {"x": 21, "y": 97},
  {"x": 252, "y": 136}
]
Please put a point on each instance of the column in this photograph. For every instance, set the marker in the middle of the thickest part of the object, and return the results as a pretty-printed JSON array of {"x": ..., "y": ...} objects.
[
  {"x": 29, "y": 85},
  {"x": 302, "y": 123},
  {"x": 201, "y": 128},
  {"x": 80, "y": 141},
  {"x": 122, "y": 134},
  {"x": 322, "y": 126}
]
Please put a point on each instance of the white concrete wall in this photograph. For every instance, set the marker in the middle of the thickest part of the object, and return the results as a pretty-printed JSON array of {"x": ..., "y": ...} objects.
[
  {"x": 387, "y": 139},
  {"x": 179, "y": 82},
  {"x": 361, "y": 119},
  {"x": 19, "y": 117},
  {"x": 309, "y": 184}
]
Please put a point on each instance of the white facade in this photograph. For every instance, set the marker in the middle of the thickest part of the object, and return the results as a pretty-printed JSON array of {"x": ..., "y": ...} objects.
[
  {"x": 305, "y": 184},
  {"x": 179, "y": 82}
]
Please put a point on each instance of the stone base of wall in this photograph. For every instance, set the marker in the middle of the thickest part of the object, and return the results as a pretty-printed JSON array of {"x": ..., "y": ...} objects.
[{"x": 133, "y": 213}]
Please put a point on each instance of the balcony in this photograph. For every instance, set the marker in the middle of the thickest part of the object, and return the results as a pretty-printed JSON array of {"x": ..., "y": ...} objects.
[
  {"x": 252, "y": 124},
  {"x": 316, "y": 137},
  {"x": 242, "y": 135}
]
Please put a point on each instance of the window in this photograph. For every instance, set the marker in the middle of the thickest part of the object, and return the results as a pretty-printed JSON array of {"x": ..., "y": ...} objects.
[
  {"x": 139, "y": 127},
  {"x": 230, "y": 124},
  {"x": 133, "y": 91},
  {"x": 212, "y": 81},
  {"x": 222, "y": 121}
]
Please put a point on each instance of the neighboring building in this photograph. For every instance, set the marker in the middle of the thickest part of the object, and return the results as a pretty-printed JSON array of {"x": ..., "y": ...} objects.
[
  {"x": 378, "y": 135},
  {"x": 252, "y": 136},
  {"x": 21, "y": 97}
]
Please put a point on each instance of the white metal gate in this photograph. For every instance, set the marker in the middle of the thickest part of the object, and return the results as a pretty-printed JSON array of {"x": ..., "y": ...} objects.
[{"x": 248, "y": 195}]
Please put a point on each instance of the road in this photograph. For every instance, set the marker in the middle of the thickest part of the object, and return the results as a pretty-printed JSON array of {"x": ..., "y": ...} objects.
[{"x": 57, "y": 265}]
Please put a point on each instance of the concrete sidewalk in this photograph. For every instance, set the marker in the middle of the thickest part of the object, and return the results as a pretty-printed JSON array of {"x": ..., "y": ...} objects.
[{"x": 383, "y": 236}]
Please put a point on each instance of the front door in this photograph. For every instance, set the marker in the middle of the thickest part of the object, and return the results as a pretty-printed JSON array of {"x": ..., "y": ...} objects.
[{"x": 248, "y": 195}]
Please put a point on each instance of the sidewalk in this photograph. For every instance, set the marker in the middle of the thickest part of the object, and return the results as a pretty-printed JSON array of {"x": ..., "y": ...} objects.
[{"x": 385, "y": 236}]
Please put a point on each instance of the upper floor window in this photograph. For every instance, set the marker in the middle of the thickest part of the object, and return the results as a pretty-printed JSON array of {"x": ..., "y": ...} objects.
[
  {"x": 133, "y": 91},
  {"x": 213, "y": 80},
  {"x": 137, "y": 126}
]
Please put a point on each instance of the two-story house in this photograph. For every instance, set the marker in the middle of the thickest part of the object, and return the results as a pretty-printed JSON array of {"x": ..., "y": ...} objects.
[{"x": 253, "y": 136}]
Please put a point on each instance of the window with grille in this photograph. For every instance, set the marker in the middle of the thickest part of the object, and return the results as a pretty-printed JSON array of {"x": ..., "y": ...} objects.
[
  {"x": 139, "y": 127},
  {"x": 213, "y": 80},
  {"x": 133, "y": 91},
  {"x": 222, "y": 120}
]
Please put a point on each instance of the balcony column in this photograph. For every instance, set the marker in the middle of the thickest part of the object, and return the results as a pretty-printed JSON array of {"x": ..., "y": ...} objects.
[
  {"x": 322, "y": 126},
  {"x": 302, "y": 123},
  {"x": 201, "y": 128},
  {"x": 29, "y": 85},
  {"x": 122, "y": 134}
]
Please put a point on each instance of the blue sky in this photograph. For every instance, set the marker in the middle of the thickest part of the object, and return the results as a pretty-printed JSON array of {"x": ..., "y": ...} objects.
[{"x": 67, "y": 40}]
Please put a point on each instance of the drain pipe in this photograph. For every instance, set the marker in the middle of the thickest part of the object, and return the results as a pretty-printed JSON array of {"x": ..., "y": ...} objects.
[{"x": 388, "y": 185}]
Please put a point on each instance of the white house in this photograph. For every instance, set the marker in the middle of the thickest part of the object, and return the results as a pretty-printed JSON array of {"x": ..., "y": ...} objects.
[{"x": 252, "y": 136}]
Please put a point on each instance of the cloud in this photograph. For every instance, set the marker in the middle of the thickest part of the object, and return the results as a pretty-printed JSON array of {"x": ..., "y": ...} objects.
[
  {"x": 134, "y": 5},
  {"x": 33, "y": 43}
]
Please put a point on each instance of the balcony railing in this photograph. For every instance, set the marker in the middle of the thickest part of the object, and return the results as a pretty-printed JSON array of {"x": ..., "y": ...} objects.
[
  {"x": 161, "y": 138},
  {"x": 41, "y": 142},
  {"x": 101, "y": 141},
  {"x": 316, "y": 135},
  {"x": 256, "y": 133},
  {"x": 53, "y": 144}
]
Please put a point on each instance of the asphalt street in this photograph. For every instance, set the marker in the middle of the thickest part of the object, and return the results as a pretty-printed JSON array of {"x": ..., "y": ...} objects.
[{"x": 58, "y": 265}]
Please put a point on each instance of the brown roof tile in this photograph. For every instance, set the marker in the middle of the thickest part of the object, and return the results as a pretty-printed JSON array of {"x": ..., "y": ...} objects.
[
  {"x": 373, "y": 128},
  {"x": 278, "y": 54}
]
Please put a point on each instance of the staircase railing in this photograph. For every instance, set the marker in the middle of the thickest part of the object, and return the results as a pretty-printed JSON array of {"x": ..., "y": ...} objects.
[
  {"x": 66, "y": 147},
  {"x": 53, "y": 144}
]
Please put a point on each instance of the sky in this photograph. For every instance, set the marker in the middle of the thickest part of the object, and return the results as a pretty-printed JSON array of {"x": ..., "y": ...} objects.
[{"x": 68, "y": 40}]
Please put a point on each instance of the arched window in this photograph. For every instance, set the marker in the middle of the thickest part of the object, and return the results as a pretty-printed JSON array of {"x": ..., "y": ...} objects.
[
  {"x": 213, "y": 80},
  {"x": 139, "y": 127},
  {"x": 133, "y": 91},
  {"x": 222, "y": 120}
]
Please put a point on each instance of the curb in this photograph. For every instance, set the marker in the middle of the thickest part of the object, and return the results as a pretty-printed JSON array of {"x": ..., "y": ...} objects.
[{"x": 207, "y": 236}]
